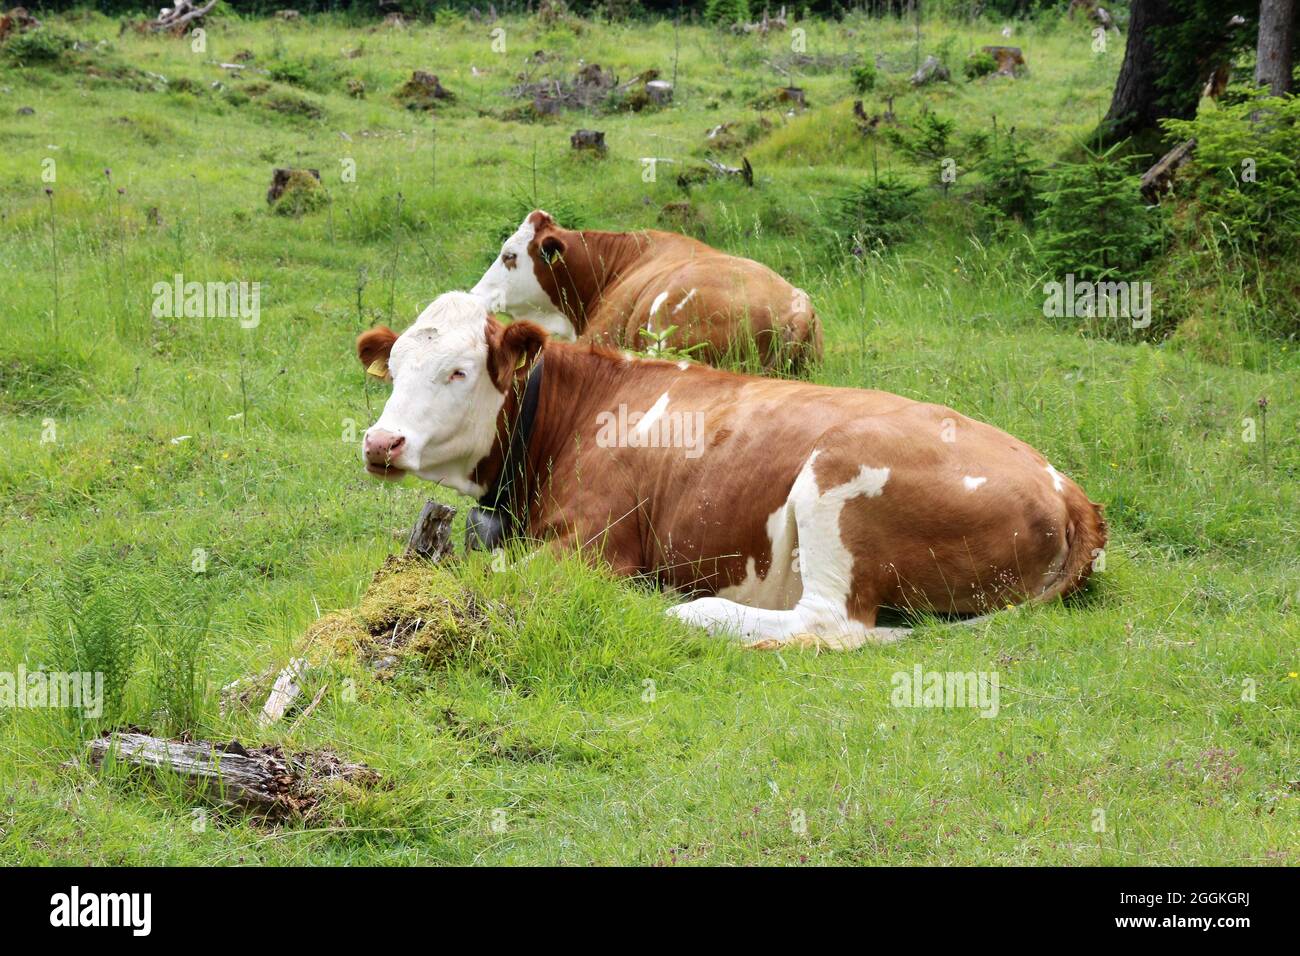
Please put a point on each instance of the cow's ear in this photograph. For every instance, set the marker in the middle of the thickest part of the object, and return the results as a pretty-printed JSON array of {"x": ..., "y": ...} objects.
[
  {"x": 552, "y": 249},
  {"x": 512, "y": 349},
  {"x": 373, "y": 347}
]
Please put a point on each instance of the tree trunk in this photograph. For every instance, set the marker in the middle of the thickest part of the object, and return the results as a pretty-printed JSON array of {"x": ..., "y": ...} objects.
[
  {"x": 1134, "y": 105},
  {"x": 1273, "y": 54}
]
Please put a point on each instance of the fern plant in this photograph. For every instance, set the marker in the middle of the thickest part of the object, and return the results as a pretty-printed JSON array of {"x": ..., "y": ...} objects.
[{"x": 94, "y": 626}]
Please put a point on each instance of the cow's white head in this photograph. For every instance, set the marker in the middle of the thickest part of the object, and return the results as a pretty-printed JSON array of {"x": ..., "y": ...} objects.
[
  {"x": 512, "y": 284},
  {"x": 450, "y": 373}
]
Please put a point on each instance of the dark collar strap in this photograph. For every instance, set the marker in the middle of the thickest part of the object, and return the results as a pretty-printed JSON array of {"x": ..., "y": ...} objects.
[{"x": 500, "y": 511}]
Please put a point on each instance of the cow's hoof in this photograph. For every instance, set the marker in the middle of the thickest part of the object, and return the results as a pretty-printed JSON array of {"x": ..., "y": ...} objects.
[{"x": 765, "y": 644}]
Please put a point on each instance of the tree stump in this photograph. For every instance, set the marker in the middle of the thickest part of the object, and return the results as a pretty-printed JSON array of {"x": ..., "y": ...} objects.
[
  {"x": 793, "y": 95},
  {"x": 431, "y": 537},
  {"x": 1010, "y": 61},
  {"x": 592, "y": 139},
  {"x": 660, "y": 92},
  {"x": 932, "y": 69},
  {"x": 280, "y": 180},
  {"x": 423, "y": 91}
]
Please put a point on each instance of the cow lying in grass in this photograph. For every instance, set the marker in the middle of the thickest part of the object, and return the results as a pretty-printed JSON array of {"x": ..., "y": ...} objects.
[
  {"x": 797, "y": 510},
  {"x": 628, "y": 289}
]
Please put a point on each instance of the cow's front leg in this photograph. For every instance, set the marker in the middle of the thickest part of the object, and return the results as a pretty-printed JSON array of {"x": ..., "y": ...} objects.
[{"x": 810, "y": 623}]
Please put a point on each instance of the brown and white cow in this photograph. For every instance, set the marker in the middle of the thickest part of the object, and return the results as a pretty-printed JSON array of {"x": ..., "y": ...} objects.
[
  {"x": 792, "y": 512},
  {"x": 624, "y": 289}
]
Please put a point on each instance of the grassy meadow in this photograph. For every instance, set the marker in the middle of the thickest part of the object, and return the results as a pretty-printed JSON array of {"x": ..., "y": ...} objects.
[{"x": 196, "y": 484}]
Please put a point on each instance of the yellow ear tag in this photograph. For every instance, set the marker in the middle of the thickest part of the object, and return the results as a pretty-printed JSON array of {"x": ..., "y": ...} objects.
[{"x": 378, "y": 368}]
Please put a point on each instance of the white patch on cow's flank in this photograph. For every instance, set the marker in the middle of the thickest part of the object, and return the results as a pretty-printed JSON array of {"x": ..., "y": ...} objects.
[
  {"x": 1056, "y": 478},
  {"x": 820, "y": 617},
  {"x": 972, "y": 483},
  {"x": 686, "y": 298}
]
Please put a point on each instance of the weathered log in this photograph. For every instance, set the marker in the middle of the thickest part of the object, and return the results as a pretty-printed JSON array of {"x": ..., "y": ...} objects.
[
  {"x": 764, "y": 25},
  {"x": 265, "y": 780},
  {"x": 592, "y": 139},
  {"x": 1158, "y": 180},
  {"x": 431, "y": 537}
]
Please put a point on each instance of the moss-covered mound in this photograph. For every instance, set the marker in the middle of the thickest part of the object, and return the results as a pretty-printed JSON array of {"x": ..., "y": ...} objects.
[{"x": 412, "y": 609}]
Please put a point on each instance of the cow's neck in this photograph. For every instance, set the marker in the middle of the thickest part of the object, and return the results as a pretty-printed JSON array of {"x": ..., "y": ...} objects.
[
  {"x": 593, "y": 261},
  {"x": 501, "y": 512},
  {"x": 567, "y": 384}
]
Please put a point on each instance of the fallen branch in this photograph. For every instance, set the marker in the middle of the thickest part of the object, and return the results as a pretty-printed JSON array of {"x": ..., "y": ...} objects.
[
  {"x": 744, "y": 171},
  {"x": 176, "y": 19},
  {"x": 287, "y": 687},
  {"x": 1159, "y": 179}
]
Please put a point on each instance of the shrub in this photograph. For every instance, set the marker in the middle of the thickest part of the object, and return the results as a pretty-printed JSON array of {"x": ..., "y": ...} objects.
[
  {"x": 727, "y": 11},
  {"x": 863, "y": 77},
  {"x": 1095, "y": 224},
  {"x": 979, "y": 64},
  {"x": 928, "y": 140},
  {"x": 1244, "y": 177},
  {"x": 877, "y": 213},
  {"x": 1011, "y": 183},
  {"x": 36, "y": 46}
]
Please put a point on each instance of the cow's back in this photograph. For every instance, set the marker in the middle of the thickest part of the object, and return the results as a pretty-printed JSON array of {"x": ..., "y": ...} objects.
[{"x": 717, "y": 305}]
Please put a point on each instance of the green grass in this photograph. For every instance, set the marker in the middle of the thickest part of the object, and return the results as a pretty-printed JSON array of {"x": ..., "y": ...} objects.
[{"x": 1128, "y": 700}]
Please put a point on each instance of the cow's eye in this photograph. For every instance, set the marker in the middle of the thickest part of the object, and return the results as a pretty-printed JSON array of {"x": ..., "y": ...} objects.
[
  {"x": 458, "y": 374},
  {"x": 509, "y": 258}
]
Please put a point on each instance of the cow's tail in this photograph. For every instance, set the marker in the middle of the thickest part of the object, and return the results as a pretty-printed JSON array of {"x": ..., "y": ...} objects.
[{"x": 1085, "y": 537}]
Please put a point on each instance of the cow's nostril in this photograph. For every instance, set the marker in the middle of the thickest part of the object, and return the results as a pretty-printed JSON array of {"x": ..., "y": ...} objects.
[{"x": 382, "y": 447}]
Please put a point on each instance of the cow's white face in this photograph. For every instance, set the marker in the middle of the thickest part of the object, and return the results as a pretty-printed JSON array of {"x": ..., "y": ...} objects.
[
  {"x": 440, "y": 420},
  {"x": 510, "y": 285}
]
